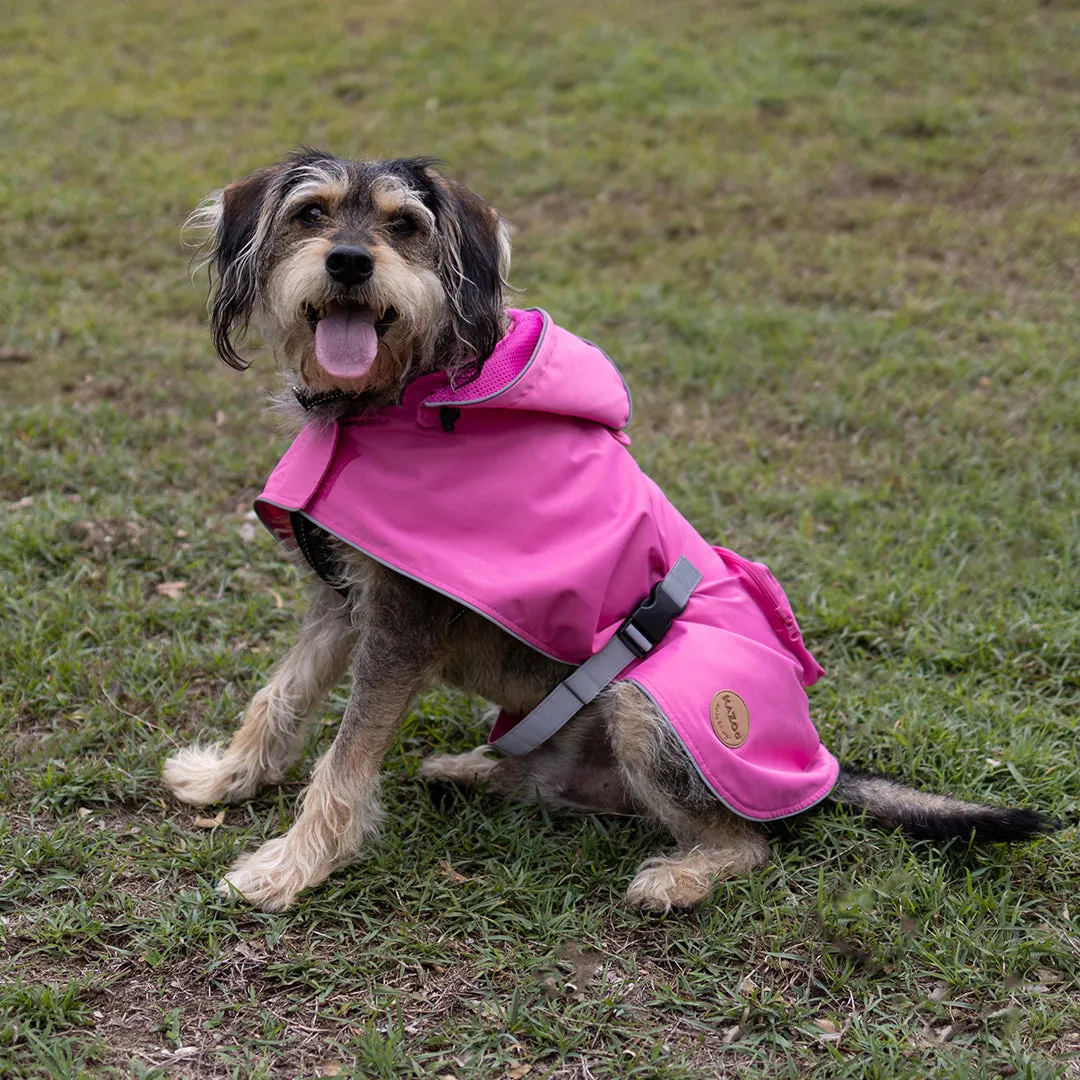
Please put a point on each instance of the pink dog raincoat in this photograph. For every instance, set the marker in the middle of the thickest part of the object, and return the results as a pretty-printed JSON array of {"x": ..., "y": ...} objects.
[{"x": 532, "y": 512}]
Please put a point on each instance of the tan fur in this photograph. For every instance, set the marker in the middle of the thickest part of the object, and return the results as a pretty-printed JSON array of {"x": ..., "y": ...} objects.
[
  {"x": 391, "y": 197},
  {"x": 471, "y": 768},
  {"x": 327, "y": 191},
  {"x": 713, "y": 842},
  {"x": 340, "y": 811},
  {"x": 685, "y": 878}
]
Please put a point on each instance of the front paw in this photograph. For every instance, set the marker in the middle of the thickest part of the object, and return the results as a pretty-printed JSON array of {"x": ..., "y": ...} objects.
[
  {"x": 201, "y": 775},
  {"x": 197, "y": 775},
  {"x": 269, "y": 878}
]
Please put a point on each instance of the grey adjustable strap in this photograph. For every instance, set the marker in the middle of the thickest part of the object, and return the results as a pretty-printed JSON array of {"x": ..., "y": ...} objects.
[{"x": 641, "y": 632}]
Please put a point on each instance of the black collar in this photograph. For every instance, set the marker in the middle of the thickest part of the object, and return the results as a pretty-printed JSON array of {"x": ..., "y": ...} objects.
[
  {"x": 448, "y": 416},
  {"x": 310, "y": 399}
]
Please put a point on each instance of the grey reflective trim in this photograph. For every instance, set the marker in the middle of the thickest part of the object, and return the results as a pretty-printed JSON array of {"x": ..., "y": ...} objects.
[
  {"x": 506, "y": 386},
  {"x": 598, "y": 672},
  {"x": 420, "y": 581},
  {"x": 626, "y": 385}
]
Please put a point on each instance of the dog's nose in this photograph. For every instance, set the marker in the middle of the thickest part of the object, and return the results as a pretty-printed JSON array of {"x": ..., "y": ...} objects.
[{"x": 349, "y": 264}]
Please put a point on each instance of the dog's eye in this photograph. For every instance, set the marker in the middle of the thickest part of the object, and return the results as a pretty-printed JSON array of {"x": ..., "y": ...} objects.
[
  {"x": 310, "y": 215},
  {"x": 403, "y": 226}
]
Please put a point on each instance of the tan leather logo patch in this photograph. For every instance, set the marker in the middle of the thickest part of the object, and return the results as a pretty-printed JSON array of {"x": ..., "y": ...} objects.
[{"x": 730, "y": 718}]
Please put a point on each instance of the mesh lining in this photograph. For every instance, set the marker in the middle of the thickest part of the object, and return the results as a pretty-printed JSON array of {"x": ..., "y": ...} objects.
[{"x": 506, "y": 363}]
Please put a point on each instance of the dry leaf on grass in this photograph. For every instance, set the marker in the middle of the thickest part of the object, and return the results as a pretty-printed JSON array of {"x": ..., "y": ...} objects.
[
  {"x": 1048, "y": 976},
  {"x": 328, "y": 1068},
  {"x": 210, "y": 822},
  {"x": 516, "y": 1072},
  {"x": 828, "y": 1029},
  {"x": 171, "y": 589},
  {"x": 451, "y": 873},
  {"x": 181, "y": 1053}
]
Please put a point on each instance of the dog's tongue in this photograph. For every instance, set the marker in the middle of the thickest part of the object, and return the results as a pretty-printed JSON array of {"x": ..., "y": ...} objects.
[{"x": 345, "y": 340}]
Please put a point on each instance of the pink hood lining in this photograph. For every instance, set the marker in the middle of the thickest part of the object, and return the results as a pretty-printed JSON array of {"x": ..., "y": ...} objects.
[{"x": 539, "y": 367}]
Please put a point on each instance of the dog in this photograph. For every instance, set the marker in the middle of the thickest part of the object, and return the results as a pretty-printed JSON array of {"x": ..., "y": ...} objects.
[{"x": 370, "y": 279}]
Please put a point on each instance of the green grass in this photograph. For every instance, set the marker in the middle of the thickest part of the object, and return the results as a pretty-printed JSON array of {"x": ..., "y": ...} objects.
[{"x": 835, "y": 247}]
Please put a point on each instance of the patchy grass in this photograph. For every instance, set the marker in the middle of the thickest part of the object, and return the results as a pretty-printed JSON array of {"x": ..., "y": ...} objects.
[{"x": 834, "y": 247}]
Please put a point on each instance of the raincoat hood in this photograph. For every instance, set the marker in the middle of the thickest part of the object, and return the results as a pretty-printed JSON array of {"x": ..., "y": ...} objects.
[{"x": 540, "y": 367}]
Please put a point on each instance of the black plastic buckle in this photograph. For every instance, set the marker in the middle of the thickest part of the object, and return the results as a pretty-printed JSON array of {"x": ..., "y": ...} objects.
[{"x": 647, "y": 624}]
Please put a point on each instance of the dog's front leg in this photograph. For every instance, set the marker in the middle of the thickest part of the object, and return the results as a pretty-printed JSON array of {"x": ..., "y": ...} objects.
[
  {"x": 340, "y": 810},
  {"x": 271, "y": 738}
]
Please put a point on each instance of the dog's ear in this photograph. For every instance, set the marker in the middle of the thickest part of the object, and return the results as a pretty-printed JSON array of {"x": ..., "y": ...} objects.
[
  {"x": 473, "y": 262},
  {"x": 234, "y": 215}
]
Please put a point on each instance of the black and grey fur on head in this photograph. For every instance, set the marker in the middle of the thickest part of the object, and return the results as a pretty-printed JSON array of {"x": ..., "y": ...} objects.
[{"x": 439, "y": 257}]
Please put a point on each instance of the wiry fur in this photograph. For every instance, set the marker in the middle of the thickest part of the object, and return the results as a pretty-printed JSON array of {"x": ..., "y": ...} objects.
[
  {"x": 394, "y": 635},
  {"x": 445, "y": 281}
]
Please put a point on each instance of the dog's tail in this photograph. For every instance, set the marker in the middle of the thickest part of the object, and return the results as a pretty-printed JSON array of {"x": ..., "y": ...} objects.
[{"x": 935, "y": 817}]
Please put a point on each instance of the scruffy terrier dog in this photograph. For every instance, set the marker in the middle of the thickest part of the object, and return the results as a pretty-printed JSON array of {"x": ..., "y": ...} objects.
[{"x": 366, "y": 277}]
